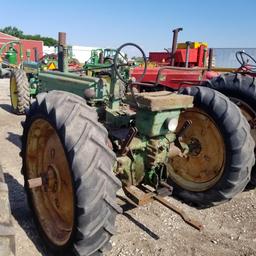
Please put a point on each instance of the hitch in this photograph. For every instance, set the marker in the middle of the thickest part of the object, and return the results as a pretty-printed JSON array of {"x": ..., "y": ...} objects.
[{"x": 142, "y": 195}]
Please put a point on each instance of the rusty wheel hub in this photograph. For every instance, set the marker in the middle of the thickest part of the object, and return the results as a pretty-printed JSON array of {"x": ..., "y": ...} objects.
[
  {"x": 205, "y": 161},
  {"x": 52, "y": 181},
  {"x": 53, "y": 201},
  {"x": 194, "y": 147}
]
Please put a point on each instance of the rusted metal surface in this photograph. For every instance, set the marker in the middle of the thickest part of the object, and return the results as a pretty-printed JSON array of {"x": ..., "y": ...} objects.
[
  {"x": 61, "y": 51},
  {"x": 205, "y": 161},
  {"x": 188, "y": 43},
  {"x": 144, "y": 196},
  {"x": 138, "y": 196},
  {"x": 174, "y": 44},
  {"x": 53, "y": 201},
  {"x": 210, "y": 59},
  {"x": 192, "y": 222},
  {"x": 163, "y": 100},
  {"x": 62, "y": 38},
  {"x": 184, "y": 128},
  {"x": 125, "y": 145}
]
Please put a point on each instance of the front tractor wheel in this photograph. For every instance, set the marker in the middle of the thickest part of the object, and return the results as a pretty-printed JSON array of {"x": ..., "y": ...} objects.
[
  {"x": 67, "y": 167},
  {"x": 19, "y": 91},
  {"x": 220, "y": 150}
]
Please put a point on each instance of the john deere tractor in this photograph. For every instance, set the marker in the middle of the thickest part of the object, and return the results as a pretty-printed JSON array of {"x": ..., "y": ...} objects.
[
  {"x": 84, "y": 138},
  {"x": 24, "y": 83}
]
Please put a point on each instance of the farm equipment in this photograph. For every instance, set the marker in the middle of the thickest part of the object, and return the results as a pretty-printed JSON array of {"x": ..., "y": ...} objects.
[
  {"x": 9, "y": 58},
  {"x": 186, "y": 67},
  {"x": 85, "y": 137},
  {"x": 100, "y": 62},
  {"x": 24, "y": 83},
  {"x": 100, "y": 56}
]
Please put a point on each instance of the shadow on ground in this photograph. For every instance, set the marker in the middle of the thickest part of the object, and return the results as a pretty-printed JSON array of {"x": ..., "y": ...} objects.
[
  {"x": 6, "y": 107},
  {"x": 22, "y": 213},
  {"x": 14, "y": 138},
  {"x": 127, "y": 206}
]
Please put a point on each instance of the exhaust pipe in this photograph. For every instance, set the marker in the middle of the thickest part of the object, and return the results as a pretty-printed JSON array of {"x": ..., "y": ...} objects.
[
  {"x": 188, "y": 43},
  {"x": 174, "y": 44},
  {"x": 62, "y": 53},
  {"x": 210, "y": 59}
]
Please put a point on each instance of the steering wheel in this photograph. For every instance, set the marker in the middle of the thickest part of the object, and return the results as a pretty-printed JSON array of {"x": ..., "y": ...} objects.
[
  {"x": 121, "y": 64},
  {"x": 244, "y": 60}
]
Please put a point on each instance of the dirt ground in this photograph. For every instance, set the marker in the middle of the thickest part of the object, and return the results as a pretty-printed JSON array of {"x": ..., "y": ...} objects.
[{"x": 229, "y": 229}]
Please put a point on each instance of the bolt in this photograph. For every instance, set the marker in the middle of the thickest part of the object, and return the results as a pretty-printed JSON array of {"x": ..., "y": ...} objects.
[
  {"x": 57, "y": 203},
  {"x": 52, "y": 153},
  {"x": 37, "y": 132}
]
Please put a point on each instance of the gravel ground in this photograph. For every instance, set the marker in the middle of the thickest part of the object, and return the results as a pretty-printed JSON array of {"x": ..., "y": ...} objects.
[{"x": 229, "y": 229}]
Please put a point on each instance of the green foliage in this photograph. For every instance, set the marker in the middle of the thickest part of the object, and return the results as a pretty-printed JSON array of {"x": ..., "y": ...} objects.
[{"x": 13, "y": 31}]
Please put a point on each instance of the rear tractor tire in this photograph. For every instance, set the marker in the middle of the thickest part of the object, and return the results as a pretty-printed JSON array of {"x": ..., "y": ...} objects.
[
  {"x": 62, "y": 142},
  {"x": 241, "y": 89},
  {"x": 19, "y": 91},
  {"x": 7, "y": 234},
  {"x": 220, "y": 150}
]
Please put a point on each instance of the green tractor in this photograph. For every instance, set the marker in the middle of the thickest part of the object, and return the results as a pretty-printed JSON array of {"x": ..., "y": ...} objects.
[
  {"x": 101, "y": 62},
  {"x": 24, "y": 81},
  {"x": 25, "y": 85},
  {"x": 85, "y": 137},
  {"x": 100, "y": 57}
]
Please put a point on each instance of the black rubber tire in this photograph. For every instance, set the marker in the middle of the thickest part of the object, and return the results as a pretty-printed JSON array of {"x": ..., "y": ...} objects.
[
  {"x": 240, "y": 87},
  {"x": 91, "y": 162},
  {"x": 7, "y": 234},
  {"x": 239, "y": 148},
  {"x": 23, "y": 97}
]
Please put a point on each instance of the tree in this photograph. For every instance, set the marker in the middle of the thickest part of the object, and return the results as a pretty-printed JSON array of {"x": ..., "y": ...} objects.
[{"x": 13, "y": 31}]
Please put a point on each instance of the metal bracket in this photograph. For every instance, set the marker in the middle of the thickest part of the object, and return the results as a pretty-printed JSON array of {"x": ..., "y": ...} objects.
[
  {"x": 131, "y": 134},
  {"x": 141, "y": 196},
  {"x": 181, "y": 132}
]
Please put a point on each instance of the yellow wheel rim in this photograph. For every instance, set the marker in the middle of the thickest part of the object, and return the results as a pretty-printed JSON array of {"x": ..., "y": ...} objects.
[
  {"x": 53, "y": 201},
  {"x": 13, "y": 92},
  {"x": 204, "y": 164}
]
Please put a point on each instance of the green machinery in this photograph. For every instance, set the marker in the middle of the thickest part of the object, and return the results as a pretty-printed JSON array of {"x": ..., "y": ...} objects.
[
  {"x": 24, "y": 83},
  {"x": 101, "y": 61},
  {"x": 22, "y": 90},
  {"x": 85, "y": 137},
  {"x": 100, "y": 56},
  {"x": 9, "y": 58}
]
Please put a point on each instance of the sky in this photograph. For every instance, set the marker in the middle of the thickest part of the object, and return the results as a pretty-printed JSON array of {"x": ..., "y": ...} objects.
[{"x": 110, "y": 23}]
